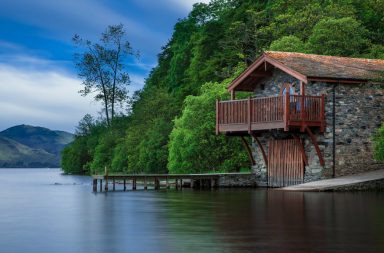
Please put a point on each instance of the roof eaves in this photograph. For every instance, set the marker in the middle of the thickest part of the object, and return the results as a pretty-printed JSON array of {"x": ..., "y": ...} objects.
[{"x": 249, "y": 70}]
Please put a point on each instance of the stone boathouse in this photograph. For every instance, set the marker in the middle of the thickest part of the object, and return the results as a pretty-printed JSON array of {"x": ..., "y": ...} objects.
[{"x": 310, "y": 116}]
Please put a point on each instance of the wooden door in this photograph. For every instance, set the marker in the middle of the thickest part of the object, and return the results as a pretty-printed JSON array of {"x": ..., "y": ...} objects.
[{"x": 285, "y": 163}]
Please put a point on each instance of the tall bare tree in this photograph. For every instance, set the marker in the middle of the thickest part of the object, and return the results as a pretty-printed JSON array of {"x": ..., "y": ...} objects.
[{"x": 102, "y": 66}]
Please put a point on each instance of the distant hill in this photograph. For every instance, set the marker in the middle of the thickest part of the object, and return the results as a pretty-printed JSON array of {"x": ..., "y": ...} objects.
[{"x": 29, "y": 146}]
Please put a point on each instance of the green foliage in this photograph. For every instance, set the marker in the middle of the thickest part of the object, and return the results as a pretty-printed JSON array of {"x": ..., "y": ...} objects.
[
  {"x": 193, "y": 146},
  {"x": 344, "y": 37},
  {"x": 170, "y": 126},
  {"x": 378, "y": 144},
  {"x": 75, "y": 157},
  {"x": 288, "y": 44}
]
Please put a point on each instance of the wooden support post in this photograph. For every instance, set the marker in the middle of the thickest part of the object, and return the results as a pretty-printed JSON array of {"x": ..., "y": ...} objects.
[
  {"x": 217, "y": 116},
  {"x": 302, "y": 88},
  {"x": 261, "y": 148},
  {"x": 145, "y": 183},
  {"x": 94, "y": 185},
  {"x": 233, "y": 95},
  {"x": 134, "y": 183},
  {"x": 166, "y": 183},
  {"x": 286, "y": 111},
  {"x": 113, "y": 186},
  {"x": 101, "y": 185},
  {"x": 192, "y": 183},
  {"x": 106, "y": 178},
  {"x": 322, "y": 113},
  {"x": 313, "y": 138},
  {"x": 201, "y": 184},
  {"x": 181, "y": 184},
  {"x": 106, "y": 184},
  {"x": 125, "y": 185},
  {"x": 216, "y": 183},
  {"x": 249, "y": 118},
  {"x": 249, "y": 151},
  {"x": 302, "y": 113},
  {"x": 157, "y": 184},
  {"x": 176, "y": 184}
]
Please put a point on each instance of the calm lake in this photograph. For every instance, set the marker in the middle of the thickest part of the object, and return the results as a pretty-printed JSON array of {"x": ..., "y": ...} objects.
[{"x": 44, "y": 211}]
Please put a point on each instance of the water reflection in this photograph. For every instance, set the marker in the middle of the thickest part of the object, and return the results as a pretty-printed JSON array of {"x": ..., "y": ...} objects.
[
  {"x": 37, "y": 215},
  {"x": 275, "y": 221}
]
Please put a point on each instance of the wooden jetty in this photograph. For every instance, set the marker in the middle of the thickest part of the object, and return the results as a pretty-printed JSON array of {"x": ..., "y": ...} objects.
[{"x": 155, "y": 181}]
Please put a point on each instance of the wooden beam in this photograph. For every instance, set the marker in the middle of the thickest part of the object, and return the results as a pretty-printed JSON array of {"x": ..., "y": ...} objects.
[
  {"x": 301, "y": 146},
  {"x": 233, "y": 95},
  {"x": 334, "y": 80},
  {"x": 302, "y": 88},
  {"x": 261, "y": 74},
  {"x": 302, "y": 113},
  {"x": 313, "y": 138},
  {"x": 248, "y": 149},
  {"x": 264, "y": 59},
  {"x": 261, "y": 148},
  {"x": 217, "y": 116},
  {"x": 249, "y": 115},
  {"x": 286, "y": 111},
  {"x": 286, "y": 69},
  {"x": 322, "y": 113}
]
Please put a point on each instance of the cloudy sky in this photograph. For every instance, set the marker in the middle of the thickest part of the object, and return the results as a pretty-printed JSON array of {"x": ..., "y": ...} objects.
[{"x": 38, "y": 82}]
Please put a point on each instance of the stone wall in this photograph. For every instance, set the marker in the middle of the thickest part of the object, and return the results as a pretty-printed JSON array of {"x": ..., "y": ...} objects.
[
  {"x": 359, "y": 109},
  {"x": 239, "y": 180}
]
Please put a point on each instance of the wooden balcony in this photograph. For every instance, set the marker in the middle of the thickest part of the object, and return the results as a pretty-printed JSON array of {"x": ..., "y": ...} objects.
[{"x": 286, "y": 112}]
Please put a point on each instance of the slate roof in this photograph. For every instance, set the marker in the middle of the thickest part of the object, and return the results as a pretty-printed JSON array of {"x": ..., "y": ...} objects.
[
  {"x": 310, "y": 67},
  {"x": 333, "y": 67}
]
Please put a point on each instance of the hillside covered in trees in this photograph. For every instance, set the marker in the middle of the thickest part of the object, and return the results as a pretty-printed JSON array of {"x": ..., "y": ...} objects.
[{"x": 170, "y": 127}]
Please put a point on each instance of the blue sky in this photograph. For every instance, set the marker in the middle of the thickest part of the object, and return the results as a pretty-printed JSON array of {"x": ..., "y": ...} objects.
[{"x": 38, "y": 82}]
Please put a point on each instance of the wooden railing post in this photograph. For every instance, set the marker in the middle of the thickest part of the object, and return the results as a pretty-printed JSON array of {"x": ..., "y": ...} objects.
[
  {"x": 286, "y": 111},
  {"x": 302, "y": 113},
  {"x": 217, "y": 116},
  {"x": 249, "y": 115},
  {"x": 322, "y": 113}
]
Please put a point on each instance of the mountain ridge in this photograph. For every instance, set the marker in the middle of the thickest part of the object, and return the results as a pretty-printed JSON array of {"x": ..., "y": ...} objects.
[{"x": 32, "y": 146}]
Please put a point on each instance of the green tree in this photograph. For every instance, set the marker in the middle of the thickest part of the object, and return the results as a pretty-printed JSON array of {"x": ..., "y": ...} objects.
[
  {"x": 288, "y": 44},
  {"x": 102, "y": 67},
  {"x": 193, "y": 145},
  {"x": 343, "y": 37}
]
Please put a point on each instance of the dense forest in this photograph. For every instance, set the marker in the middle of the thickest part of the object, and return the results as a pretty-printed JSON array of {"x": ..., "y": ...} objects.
[{"x": 171, "y": 121}]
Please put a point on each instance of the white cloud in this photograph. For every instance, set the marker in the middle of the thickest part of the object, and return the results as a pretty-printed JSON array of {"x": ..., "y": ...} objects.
[
  {"x": 42, "y": 94},
  {"x": 44, "y": 98},
  {"x": 187, "y": 4}
]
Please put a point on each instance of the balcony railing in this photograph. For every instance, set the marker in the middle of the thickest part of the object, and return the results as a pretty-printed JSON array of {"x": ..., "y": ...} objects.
[{"x": 265, "y": 113}]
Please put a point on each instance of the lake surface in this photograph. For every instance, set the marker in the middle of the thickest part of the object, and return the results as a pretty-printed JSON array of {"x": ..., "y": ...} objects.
[{"x": 44, "y": 211}]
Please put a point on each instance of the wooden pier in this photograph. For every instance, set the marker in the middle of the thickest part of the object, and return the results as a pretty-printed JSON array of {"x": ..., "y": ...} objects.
[{"x": 155, "y": 181}]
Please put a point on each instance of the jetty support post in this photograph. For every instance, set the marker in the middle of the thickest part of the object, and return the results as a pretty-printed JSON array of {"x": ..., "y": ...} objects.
[
  {"x": 134, "y": 184},
  {"x": 101, "y": 185},
  {"x": 145, "y": 183},
  {"x": 166, "y": 183},
  {"x": 94, "y": 183},
  {"x": 125, "y": 184},
  {"x": 113, "y": 184},
  {"x": 157, "y": 184},
  {"x": 106, "y": 179}
]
